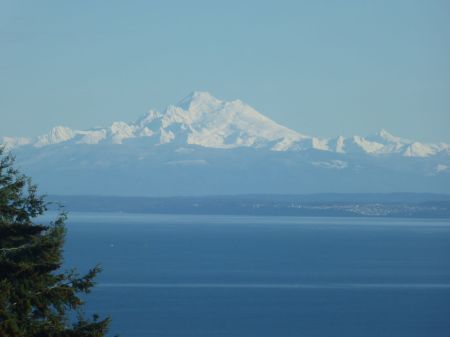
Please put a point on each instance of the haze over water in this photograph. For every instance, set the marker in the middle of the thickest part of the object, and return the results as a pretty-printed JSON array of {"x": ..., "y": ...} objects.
[{"x": 266, "y": 276}]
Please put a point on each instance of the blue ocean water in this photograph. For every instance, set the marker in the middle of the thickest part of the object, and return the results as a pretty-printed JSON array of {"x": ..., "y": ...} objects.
[{"x": 206, "y": 276}]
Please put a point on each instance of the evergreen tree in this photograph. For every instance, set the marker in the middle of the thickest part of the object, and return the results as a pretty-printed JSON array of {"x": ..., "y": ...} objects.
[{"x": 37, "y": 298}]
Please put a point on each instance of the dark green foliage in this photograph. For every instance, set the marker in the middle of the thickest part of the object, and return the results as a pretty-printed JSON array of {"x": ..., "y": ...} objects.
[{"x": 36, "y": 297}]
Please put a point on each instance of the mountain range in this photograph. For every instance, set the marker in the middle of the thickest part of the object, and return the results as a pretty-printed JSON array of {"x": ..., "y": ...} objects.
[{"x": 204, "y": 145}]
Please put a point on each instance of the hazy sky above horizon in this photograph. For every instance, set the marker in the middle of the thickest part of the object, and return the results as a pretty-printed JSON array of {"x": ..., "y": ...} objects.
[{"x": 323, "y": 68}]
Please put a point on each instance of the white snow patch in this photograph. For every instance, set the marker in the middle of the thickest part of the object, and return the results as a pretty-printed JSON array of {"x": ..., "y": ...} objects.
[
  {"x": 146, "y": 132},
  {"x": 10, "y": 143},
  {"x": 383, "y": 134},
  {"x": 332, "y": 164},
  {"x": 56, "y": 135},
  {"x": 320, "y": 144},
  {"x": 92, "y": 137},
  {"x": 121, "y": 131},
  {"x": 441, "y": 168},
  {"x": 340, "y": 144},
  {"x": 417, "y": 149},
  {"x": 366, "y": 145},
  {"x": 148, "y": 118},
  {"x": 166, "y": 136}
]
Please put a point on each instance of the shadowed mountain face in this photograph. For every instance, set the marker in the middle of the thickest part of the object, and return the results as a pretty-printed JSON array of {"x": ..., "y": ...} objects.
[{"x": 206, "y": 146}]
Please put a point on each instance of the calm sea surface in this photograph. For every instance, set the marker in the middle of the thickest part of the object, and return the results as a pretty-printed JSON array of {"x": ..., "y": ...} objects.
[{"x": 207, "y": 276}]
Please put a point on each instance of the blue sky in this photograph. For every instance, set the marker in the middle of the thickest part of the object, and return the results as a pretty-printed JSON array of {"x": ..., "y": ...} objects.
[{"x": 319, "y": 67}]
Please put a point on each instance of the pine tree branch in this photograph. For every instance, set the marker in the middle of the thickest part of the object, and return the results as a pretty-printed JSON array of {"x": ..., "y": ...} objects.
[{"x": 6, "y": 250}]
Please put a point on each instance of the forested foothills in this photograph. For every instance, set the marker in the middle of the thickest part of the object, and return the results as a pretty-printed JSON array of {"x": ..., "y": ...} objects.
[{"x": 37, "y": 297}]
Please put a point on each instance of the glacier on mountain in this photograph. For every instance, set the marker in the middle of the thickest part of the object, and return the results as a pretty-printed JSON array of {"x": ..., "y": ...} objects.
[
  {"x": 206, "y": 146},
  {"x": 203, "y": 120}
]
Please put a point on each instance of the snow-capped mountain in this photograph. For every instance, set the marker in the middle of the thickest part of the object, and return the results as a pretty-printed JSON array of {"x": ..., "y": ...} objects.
[
  {"x": 201, "y": 119},
  {"x": 208, "y": 138}
]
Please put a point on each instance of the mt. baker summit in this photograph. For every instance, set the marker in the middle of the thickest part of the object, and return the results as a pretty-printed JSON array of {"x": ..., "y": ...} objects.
[
  {"x": 204, "y": 146},
  {"x": 203, "y": 120}
]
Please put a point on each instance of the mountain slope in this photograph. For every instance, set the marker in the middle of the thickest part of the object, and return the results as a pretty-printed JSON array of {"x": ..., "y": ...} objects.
[
  {"x": 201, "y": 119},
  {"x": 203, "y": 145}
]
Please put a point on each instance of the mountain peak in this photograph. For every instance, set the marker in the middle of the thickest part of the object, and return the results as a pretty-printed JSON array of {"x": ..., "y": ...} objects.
[
  {"x": 387, "y": 136},
  {"x": 200, "y": 119},
  {"x": 58, "y": 134},
  {"x": 198, "y": 99},
  {"x": 384, "y": 133}
]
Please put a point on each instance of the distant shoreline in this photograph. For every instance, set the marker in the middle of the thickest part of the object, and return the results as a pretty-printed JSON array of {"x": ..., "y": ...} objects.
[{"x": 395, "y": 205}]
